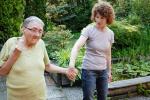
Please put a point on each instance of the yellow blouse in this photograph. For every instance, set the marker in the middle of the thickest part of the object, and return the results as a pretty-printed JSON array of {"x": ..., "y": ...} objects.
[{"x": 25, "y": 80}]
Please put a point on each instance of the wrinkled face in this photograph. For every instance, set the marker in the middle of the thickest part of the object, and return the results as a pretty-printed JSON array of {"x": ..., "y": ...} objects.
[
  {"x": 33, "y": 32},
  {"x": 100, "y": 20}
]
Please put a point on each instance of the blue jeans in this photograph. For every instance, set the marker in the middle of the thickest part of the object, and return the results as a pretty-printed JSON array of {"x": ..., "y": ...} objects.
[{"x": 93, "y": 79}]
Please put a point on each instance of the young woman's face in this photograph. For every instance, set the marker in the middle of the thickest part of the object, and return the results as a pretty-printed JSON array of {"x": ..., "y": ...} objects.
[
  {"x": 100, "y": 20},
  {"x": 33, "y": 32}
]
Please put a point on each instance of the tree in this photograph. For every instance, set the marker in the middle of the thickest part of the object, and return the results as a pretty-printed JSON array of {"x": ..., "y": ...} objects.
[
  {"x": 36, "y": 8},
  {"x": 11, "y": 16}
]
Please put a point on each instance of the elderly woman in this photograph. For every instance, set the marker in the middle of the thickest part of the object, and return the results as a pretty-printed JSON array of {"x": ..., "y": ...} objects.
[
  {"x": 98, "y": 39},
  {"x": 24, "y": 60}
]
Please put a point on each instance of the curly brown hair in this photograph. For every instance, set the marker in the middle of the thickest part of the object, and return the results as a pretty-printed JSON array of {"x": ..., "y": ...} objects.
[{"x": 105, "y": 10}]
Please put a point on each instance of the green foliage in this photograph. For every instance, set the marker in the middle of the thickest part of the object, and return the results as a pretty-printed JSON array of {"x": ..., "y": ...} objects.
[
  {"x": 59, "y": 11},
  {"x": 74, "y": 14},
  {"x": 36, "y": 8},
  {"x": 134, "y": 19},
  {"x": 57, "y": 39},
  {"x": 122, "y": 7},
  {"x": 63, "y": 57},
  {"x": 11, "y": 16},
  {"x": 142, "y": 9},
  {"x": 126, "y": 35},
  {"x": 125, "y": 70},
  {"x": 83, "y": 14},
  {"x": 131, "y": 41},
  {"x": 137, "y": 8},
  {"x": 142, "y": 90},
  {"x": 78, "y": 11}
]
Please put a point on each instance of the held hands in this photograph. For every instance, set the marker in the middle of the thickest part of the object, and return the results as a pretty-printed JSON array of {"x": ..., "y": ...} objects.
[
  {"x": 71, "y": 73},
  {"x": 21, "y": 44}
]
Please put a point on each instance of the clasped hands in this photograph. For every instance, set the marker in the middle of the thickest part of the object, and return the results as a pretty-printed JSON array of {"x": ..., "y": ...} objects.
[{"x": 71, "y": 73}]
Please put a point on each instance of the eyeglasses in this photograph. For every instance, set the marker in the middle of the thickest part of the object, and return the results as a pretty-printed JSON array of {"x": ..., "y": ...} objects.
[{"x": 35, "y": 30}]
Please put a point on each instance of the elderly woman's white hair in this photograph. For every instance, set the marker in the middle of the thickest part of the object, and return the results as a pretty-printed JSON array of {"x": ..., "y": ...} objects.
[
  {"x": 101, "y": 1},
  {"x": 32, "y": 19}
]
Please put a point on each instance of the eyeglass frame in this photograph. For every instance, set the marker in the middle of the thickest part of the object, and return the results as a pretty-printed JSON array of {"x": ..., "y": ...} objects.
[{"x": 33, "y": 30}]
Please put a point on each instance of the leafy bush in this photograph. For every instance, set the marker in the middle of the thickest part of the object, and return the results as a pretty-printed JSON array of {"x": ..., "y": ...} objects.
[
  {"x": 11, "y": 16},
  {"x": 125, "y": 8},
  {"x": 63, "y": 57},
  {"x": 36, "y": 8},
  {"x": 142, "y": 9},
  {"x": 74, "y": 14},
  {"x": 134, "y": 19},
  {"x": 126, "y": 35},
  {"x": 125, "y": 70},
  {"x": 122, "y": 7},
  {"x": 57, "y": 39},
  {"x": 130, "y": 40},
  {"x": 142, "y": 90}
]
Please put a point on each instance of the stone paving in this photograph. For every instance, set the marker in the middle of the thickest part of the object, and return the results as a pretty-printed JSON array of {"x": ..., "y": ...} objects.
[
  {"x": 54, "y": 92},
  {"x": 2, "y": 88},
  {"x": 60, "y": 93}
]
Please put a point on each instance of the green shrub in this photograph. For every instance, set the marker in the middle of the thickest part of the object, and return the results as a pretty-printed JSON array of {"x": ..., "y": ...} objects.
[
  {"x": 11, "y": 16},
  {"x": 63, "y": 57},
  {"x": 74, "y": 14},
  {"x": 122, "y": 7},
  {"x": 134, "y": 19},
  {"x": 36, "y": 8},
  {"x": 126, "y": 70},
  {"x": 142, "y": 90},
  {"x": 57, "y": 39},
  {"x": 126, "y": 35},
  {"x": 142, "y": 9},
  {"x": 138, "y": 8},
  {"x": 131, "y": 41}
]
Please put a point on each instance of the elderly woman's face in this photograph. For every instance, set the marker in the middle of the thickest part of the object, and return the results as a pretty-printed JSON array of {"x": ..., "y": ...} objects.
[{"x": 33, "y": 32}]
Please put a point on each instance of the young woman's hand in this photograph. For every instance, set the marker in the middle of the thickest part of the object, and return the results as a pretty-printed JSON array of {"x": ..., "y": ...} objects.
[
  {"x": 109, "y": 77},
  {"x": 71, "y": 73}
]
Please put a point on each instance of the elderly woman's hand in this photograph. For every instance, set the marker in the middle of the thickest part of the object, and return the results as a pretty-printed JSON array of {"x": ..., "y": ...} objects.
[
  {"x": 21, "y": 44},
  {"x": 71, "y": 73}
]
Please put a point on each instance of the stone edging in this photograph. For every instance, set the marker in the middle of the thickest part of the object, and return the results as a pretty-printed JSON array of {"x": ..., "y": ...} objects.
[{"x": 128, "y": 87}]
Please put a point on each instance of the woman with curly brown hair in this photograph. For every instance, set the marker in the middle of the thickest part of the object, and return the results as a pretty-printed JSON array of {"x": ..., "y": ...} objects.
[{"x": 98, "y": 39}]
